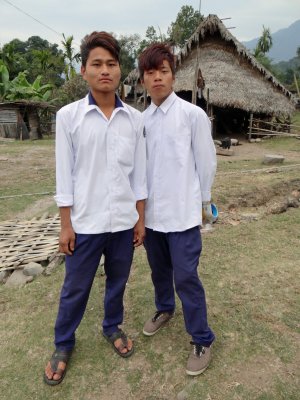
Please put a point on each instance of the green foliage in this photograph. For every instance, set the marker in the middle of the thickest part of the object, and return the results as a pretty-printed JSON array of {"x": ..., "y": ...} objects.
[
  {"x": 4, "y": 80},
  {"x": 129, "y": 47},
  {"x": 186, "y": 23},
  {"x": 264, "y": 43},
  {"x": 151, "y": 36},
  {"x": 73, "y": 89},
  {"x": 36, "y": 56},
  {"x": 20, "y": 89},
  {"x": 288, "y": 72},
  {"x": 70, "y": 57}
]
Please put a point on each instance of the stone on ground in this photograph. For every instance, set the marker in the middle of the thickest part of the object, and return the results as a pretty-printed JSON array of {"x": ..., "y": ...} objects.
[{"x": 271, "y": 159}]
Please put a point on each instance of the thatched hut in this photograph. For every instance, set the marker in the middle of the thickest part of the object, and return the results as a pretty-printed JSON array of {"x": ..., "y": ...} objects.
[
  {"x": 22, "y": 119},
  {"x": 133, "y": 89},
  {"x": 218, "y": 73}
]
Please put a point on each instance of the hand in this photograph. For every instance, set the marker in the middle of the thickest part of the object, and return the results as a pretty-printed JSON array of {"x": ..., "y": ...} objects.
[
  {"x": 207, "y": 212},
  {"x": 67, "y": 241},
  {"x": 138, "y": 233}
]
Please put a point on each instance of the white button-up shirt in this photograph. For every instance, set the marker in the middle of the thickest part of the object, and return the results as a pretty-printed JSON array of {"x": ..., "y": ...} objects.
[
  {"x": 100, "y": 165},
  {"x": 181, "y": 164}
]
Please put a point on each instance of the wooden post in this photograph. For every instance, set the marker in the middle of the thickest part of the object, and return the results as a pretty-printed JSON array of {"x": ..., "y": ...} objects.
[
  {"x": 145, "y": 99},
  {"x": 207, "y": 101},
  {"x": 250, "y": 126},
  {"x": 296, "y": 84},
  {"x": 135, "y": 93}
]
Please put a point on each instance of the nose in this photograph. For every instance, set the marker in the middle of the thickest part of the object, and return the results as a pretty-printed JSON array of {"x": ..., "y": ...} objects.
[
  {"x": 104, "y": 70},
  {"x": 157, "y": 75}
]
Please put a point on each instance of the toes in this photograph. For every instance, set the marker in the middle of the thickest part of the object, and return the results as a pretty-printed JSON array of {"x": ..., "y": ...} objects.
[
  {"x": 53, "y": 375},
  {"x": 120, "y": 346},
  {"x": 48, "y": 371},
  {"x": 130, "y": 344}
]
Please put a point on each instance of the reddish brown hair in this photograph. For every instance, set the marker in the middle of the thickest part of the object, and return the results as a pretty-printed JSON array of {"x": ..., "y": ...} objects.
[
  {"x": 99, "y": 39},
  {"x": 153, "y": 56}
]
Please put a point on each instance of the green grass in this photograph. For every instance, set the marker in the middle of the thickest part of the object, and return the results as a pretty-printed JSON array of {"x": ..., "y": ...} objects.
[
  {"x": 250, "y": 274},
  {"x": 281, "y": 144},
  {"x": 27, "y": 168},
  {"x": 296, "y": 120}
]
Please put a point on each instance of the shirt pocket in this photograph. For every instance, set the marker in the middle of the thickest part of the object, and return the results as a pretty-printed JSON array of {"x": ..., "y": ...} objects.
[{"x": 126, "y": 148}]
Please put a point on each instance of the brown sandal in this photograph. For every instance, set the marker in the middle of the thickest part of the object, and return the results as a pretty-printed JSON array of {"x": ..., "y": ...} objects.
[
  {"x": 124, "y": 345},
  {"x": 57, "y": 357}
]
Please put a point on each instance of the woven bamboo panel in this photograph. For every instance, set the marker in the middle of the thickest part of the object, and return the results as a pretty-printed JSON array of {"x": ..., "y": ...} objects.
[{"x": 22, "y": 242}]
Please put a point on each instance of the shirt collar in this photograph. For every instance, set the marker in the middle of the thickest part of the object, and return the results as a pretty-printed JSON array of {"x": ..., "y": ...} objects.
[
  {"x": 164, "y": 107},
  {"x": 92, "y": 102}
]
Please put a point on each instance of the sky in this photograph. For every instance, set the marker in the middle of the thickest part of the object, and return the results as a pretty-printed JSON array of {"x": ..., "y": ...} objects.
[{"x": 124, "y": 17}]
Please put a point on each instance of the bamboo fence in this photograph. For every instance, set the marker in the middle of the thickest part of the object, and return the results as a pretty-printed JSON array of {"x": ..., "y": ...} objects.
[{"x": 22, "y": 242}]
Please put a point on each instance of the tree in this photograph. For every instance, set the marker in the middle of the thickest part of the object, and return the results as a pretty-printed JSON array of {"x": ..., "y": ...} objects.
[
  {"x": 128, "y": 54},
  {"x": 151, "y": 36},
  {"x": 73, "y": 89},
  {"x": 31, "y": 56},
  {"x": 186, "y": 23},
  {"x": 264, "y": 43},
  {"x": 70, "y": 56}
]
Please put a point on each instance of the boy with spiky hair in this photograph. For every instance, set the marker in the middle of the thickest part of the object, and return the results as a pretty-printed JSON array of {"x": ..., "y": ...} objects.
[
  {"x": 181, "y": 165},
  {"x": 100, "y": 191}
]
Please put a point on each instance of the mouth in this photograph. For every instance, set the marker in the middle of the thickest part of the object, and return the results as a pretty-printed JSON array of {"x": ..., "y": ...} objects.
[
  {"x": 157, "y": 86},
  {"x": 105, "y": 80}
]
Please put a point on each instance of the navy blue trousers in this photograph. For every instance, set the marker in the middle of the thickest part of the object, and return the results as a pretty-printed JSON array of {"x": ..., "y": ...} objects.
[
  {"x": 174, "y": 258},
  {"x": 81, "y": 268}
]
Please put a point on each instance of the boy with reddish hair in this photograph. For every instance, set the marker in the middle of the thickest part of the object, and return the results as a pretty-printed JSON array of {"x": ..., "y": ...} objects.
[
  {"x": 100, "y": 191},
  {"x": 181, "y": 165}
]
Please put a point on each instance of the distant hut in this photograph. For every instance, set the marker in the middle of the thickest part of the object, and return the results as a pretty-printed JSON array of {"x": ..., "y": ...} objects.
[
  {"x": 133, "y": 89},
  {"x": 215, "y": 71},
  {"x": 22, "y": 119}
]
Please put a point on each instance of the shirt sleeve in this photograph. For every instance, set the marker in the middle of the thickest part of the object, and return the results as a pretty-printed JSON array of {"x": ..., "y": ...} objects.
[
  {"x": 138, "y": 179},
  {"x": 64, "y": 161},
  {"x": 204, "y": 152}
]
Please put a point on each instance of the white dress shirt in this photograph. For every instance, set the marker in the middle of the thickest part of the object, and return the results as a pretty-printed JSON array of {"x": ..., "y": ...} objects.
[
  {"x": 100, "y": 165},
  {"x": 181, "y": 164}
]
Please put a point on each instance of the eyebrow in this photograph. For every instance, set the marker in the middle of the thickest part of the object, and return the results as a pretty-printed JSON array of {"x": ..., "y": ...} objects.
[{"x": 104, "y": 59}]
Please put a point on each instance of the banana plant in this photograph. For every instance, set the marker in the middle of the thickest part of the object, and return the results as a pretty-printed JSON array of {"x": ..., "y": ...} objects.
[{"x": 4, "y": 81}]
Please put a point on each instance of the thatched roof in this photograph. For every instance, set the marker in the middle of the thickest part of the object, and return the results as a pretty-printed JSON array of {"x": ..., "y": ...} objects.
[
  {"x": 132, "y": 78},
  {"x": 233, "y": 76}
]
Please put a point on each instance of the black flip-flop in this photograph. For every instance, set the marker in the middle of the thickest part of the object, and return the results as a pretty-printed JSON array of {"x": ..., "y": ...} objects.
[
  {"x": 119, "y": 335},
  {"x": 57, "y": 357}
]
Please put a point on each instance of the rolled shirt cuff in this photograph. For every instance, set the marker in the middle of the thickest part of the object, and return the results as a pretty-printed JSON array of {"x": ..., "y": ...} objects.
[
  {"x": 141, "y": 196},
  {"x": 64, "y": 200}
]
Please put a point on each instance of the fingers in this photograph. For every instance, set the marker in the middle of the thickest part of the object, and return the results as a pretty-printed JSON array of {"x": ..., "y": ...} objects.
[
  {"x": 66, "y": 248},
  {"x": 138, "y": 238},
  {"x": 67, "y": 242}
]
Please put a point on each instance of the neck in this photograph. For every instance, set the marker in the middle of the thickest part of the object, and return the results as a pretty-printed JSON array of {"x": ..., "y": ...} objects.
[
  {"x": 105, "y": 101},
  {"x": 158, "y": 102}
]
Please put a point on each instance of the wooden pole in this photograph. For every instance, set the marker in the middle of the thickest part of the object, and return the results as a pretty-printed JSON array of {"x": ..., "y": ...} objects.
[
  {"x": 296, "y": 84},
  {"x": 250, "y": 126}
]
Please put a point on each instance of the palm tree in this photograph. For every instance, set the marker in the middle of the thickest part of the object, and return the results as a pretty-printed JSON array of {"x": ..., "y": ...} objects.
[
  {"x": 69, "y": 56},
  {"x": 264, "y": 43}
]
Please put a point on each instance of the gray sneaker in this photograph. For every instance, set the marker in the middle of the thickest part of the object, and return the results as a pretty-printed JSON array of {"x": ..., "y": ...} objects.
[
  {"x": 198, "y": 360},
  {"x": 154, "y": 324}
]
